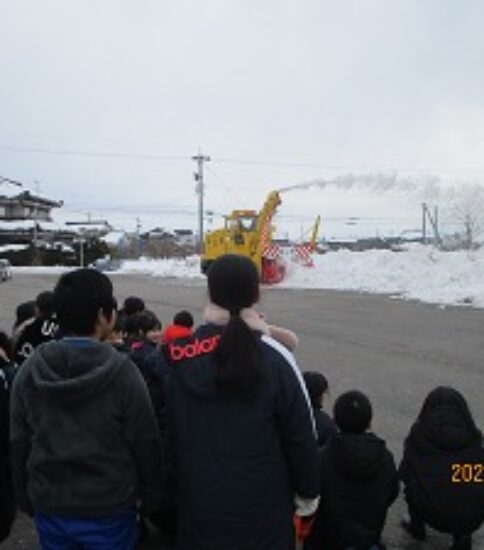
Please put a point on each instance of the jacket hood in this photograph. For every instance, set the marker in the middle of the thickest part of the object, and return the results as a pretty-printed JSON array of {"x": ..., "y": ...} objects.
[
  {"x": 69, "y": 372},
  {"x": 443, "y": 429},
  {"x": 357, "y": 456},
  {"x": 445, "y": 422}
]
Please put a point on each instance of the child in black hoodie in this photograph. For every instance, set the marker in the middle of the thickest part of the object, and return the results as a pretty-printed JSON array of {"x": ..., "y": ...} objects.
[
  {"x": 43, "y": 328},
  {"x": 442, "y": 470},
  {"x": 317, "y": 387},
  {"x": 7, "y": 501},
  {"x": 358, "y": 482}
]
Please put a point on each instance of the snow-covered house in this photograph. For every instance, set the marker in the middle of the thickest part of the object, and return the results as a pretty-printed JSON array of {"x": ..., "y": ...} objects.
[
  {"x": 90, "y": 228},
  {"x": 25, "y": 206}
]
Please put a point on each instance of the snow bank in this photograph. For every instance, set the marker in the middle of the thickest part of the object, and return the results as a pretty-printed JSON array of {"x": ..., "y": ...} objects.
[
  {"x": 420, "y": 273},
  {"x": 183, "y": 268},
  {"x": 41, "y": 270},
  {"x": 13, "y": 247}
]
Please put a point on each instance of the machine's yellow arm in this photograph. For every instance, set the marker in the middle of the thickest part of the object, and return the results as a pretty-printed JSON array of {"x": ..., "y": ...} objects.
[
  {"x": 314, "y": 235},
  {"x": 270, "y": 206}
]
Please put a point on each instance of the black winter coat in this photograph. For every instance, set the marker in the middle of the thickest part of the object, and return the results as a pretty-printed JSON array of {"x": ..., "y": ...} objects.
[
  {"x": 325, "y": 426},
  {"x": 7, "y": 501},
  {"x": 150, "y": 361},
  {"x": 358, "y": 484},
  {"x": 239, "y": 461},
  {"x": 431, "y": 470},
  {"x": 35, "y": 333}
]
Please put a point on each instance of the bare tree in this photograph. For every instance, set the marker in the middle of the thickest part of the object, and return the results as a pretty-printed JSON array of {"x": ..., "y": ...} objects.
[{"x": 467, "y": 210}]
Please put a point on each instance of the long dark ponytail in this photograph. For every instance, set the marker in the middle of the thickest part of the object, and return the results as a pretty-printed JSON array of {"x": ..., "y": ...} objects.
[{"x": 233, "y": 284}]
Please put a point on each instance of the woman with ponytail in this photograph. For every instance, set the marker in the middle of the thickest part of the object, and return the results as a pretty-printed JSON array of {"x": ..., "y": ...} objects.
[{"x": 240, "y": 424}]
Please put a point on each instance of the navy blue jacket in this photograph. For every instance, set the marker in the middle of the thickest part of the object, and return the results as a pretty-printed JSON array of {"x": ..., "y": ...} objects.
[
  {"x": 239, "y": 462},
  {"x": 325, "y": 426},
  {"x": 151, "y": 363}
]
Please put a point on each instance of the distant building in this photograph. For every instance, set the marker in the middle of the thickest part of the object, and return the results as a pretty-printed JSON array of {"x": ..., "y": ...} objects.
[
  {"x": 26, "y": 206},
  {"x": 185, "y": 237},
  {"x": 90, "y": 228},
  {"x": 159, "y": 234},
  {"x": 25, "y": 218}
]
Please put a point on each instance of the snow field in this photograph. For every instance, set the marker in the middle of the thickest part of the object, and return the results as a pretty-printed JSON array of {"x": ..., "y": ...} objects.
[{"x": 418, "y": 273}]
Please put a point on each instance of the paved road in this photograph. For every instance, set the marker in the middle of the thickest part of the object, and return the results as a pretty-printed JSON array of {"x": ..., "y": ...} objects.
[{"x": 395, "y": 351}]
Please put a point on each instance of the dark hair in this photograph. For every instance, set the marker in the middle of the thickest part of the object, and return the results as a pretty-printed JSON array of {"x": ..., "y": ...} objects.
[
  {"x": 233, "y": 284},
  {"x": 147, "y": 321},
  {"x": 79, "y": 296},
  {"x": 129, "y": 324},
  {"x": 133, "y": 305},
  {"x": 183, "y": 319},
  {"x": 45, "y": 304},
  {"x": 446, "y": 398},
  {"x": 317, "y": 385},
  {"x": 353, "y": 412},
  {"x": 24, "y": 312},
  {"x": 6, "y": 345}
]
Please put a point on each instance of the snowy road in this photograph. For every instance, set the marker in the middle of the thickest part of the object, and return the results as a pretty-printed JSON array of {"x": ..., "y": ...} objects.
[{"x": 396, "y": 351}]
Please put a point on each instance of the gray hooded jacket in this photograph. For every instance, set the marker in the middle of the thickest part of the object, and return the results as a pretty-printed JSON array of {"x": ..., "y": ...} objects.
[{"x": 83, "y": 434}]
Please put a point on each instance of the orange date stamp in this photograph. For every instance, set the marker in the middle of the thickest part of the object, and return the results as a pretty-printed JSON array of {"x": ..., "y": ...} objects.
[{"x": 467, "y": 473}]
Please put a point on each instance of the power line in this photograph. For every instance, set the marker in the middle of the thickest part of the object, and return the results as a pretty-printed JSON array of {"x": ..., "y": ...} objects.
[
  {"x": 239, "y": 161},
  {"x": 3, "y": 179},
  {"x": 322, "y": 166},
  {"x": 230, "y": 191},
  {"x": 93, "y": 154}
]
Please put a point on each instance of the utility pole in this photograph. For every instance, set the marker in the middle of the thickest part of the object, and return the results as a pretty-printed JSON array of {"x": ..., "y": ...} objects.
[
  {"x": 436, "y": 224},
  {"x": 199, "y": 189},
  {"x": 81, "y": 250},
  {"x": 37, "y": 192},
  {"x": 424, "y": 223},
  {"x": 36, "y": 259},
  {"x": 138, "y": 238},
  {"x": 433, "y": 221}
]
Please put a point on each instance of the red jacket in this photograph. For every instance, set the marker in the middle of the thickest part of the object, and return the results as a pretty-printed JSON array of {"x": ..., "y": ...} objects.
[{"x": 173, "y": 332}]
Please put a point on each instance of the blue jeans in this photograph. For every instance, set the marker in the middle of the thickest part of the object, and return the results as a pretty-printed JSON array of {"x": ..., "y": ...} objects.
[{"x": 116, "y": 532}]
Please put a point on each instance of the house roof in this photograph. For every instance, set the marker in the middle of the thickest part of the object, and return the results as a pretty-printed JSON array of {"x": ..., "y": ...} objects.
[
  {"x": 10, "y": 195},
  {"x": 27, "y": 225}
]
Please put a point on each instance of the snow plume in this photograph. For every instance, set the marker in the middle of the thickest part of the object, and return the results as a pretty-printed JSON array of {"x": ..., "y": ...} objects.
[{"x": 425, "y": 186}]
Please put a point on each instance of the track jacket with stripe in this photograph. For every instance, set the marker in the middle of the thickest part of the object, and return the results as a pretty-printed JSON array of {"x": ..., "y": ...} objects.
[{"x": 239, "y": 463}]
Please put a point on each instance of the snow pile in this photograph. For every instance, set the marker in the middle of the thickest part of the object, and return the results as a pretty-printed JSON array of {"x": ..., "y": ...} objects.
[
  {"x": 420, "y": 273},
  {"x": 13, "y": 247},
  {"x": 40, "y": 270},
  {"x": 182, "y": 268}
]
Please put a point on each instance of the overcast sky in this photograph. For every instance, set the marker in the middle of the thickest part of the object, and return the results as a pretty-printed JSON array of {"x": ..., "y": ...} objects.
[{"x": 337, "y": 86}]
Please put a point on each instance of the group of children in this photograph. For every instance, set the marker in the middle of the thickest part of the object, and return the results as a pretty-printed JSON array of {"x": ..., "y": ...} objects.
[{"x": 441, "y": 470}]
